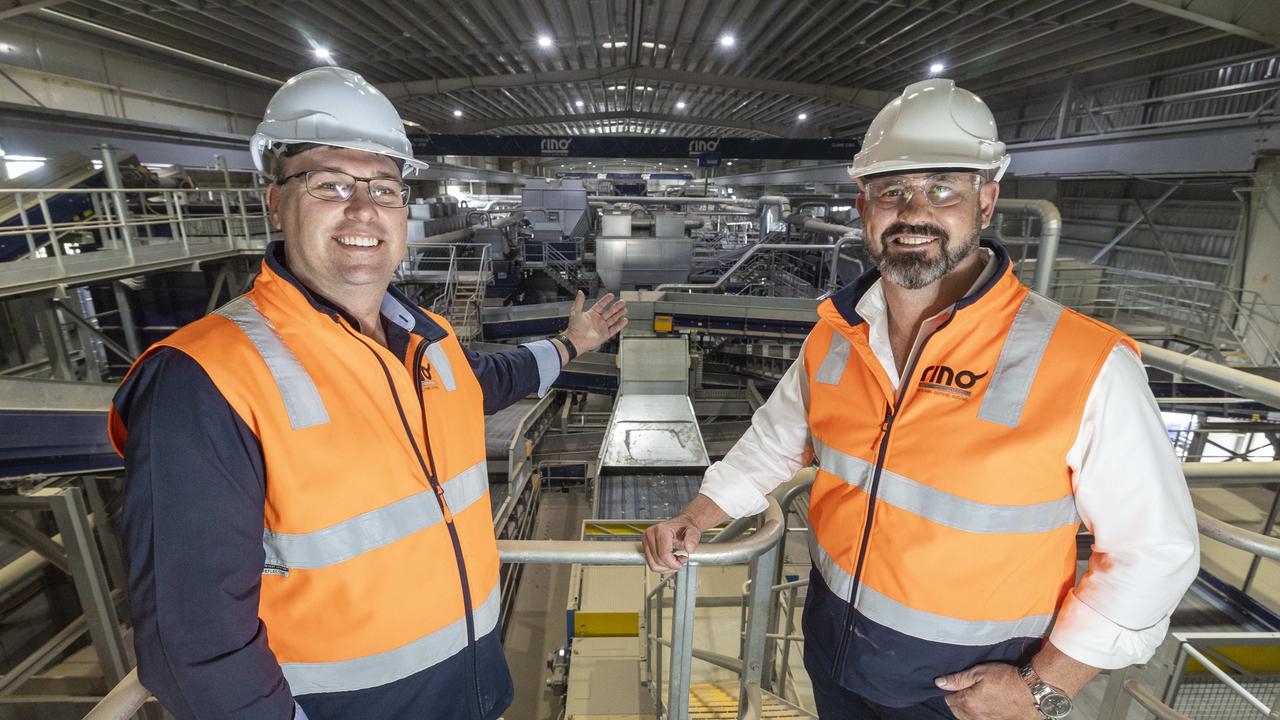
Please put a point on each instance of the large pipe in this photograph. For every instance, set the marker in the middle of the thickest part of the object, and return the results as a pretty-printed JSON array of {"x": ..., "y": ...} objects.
[
  {"x": 1236, "y": 382},
  {"x": 689, "y": 224},
  {"x": 1214, "y": 473},
  {"x": 1050, "y": 233},
  {"x": 452, "y": 236},
  {"x": 751, "y": 251},
  {"x": 818, "y": 226}
]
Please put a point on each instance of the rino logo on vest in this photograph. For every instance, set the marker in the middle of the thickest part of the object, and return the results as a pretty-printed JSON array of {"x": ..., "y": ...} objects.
[{"x": 942, "y": 380}]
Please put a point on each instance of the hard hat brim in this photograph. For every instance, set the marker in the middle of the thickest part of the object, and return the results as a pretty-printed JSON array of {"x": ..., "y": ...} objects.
[
  {"x": 937, "y": 162},
  {"x": 409, "y": 164}
]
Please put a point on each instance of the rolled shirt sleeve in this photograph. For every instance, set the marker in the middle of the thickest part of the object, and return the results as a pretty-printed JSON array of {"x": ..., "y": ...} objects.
[
  {"x": 1130, "y": 492},
  {"x": 769, "y": 453}
]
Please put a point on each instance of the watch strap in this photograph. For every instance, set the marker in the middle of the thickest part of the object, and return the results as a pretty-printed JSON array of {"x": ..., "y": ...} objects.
[{"x": 568, "y": 345}]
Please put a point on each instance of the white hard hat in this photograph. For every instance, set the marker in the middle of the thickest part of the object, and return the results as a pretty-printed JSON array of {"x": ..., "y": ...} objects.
[
  {"x": 332, "y": 106},
  {"x": 934, "y": 124}
]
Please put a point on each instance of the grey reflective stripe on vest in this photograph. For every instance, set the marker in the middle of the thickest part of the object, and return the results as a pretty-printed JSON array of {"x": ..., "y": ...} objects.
[
  {"x": 375, "y": 528},
  {"x": 837, "y": 359},
  {"x": 1024, "y": 348},
  {"x": 297, "y": 390},
  {"x": 944, "y": 508},
  {"x": 387, "y": 667},
  {"x": 918, "y": 623},
  {"x": 440, "y": 363}
]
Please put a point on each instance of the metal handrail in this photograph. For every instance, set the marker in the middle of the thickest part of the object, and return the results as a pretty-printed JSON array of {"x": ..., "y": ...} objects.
[
  {"x": 1237, "y": 537},
  {"x": 128, "y": 696},
  {"x": 1149, "y": 702}
]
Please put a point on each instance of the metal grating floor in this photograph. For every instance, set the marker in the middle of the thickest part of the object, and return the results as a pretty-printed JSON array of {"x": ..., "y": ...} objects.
[
  {"x": 1210, "y": 699},
  {"x": 645, "y": 497}
]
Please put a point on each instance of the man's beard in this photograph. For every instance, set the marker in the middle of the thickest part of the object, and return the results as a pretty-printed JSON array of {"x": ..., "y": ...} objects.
[{"x": 914, "y": 270}]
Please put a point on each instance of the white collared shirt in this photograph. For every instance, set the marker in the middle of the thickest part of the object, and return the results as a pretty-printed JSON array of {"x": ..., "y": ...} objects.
[{"x": 1128, "y": 487}]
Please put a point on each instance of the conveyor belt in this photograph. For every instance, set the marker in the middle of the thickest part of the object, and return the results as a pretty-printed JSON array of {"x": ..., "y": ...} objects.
[
  {"x": 644, "y": 497},
  {"x": 500, "y": 426},
  {"x": 51, "y": 426}
]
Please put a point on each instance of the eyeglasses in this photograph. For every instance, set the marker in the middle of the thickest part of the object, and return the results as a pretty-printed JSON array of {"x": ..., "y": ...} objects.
[
  {"x": 335, "y": 186},
  {"x": 945, "y": 190}
]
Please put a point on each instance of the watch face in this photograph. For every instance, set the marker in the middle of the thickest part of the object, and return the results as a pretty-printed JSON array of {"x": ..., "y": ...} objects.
[{"x": 1055, "y": 705}]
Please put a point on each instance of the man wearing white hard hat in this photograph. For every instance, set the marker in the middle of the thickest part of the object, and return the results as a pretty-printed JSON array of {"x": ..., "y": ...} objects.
[
  {"x": 307, "y": 506},
  {"x": 963, "y": 428}
]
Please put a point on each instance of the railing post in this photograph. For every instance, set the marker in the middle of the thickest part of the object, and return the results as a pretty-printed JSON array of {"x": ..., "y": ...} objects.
[
  {"x": 26, "y": 225},
  {"x": 221, "y": 163},
  {"x": 182, "y": 223},
  {"x": 686, "y": 600},
  {"x": 761, "y": 587},
  {"x": 53, "y": 233},
  {"x": 112, "y": 171},
  {"x": 657, "y": 633},
  {"x": 1175, "y": 678}
]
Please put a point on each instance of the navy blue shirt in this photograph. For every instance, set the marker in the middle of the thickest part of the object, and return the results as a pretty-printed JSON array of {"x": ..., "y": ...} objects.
[{"x": 193, "y": 525}]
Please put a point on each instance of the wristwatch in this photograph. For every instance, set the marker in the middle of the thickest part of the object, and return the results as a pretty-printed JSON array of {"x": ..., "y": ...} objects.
[
  {"x": 568, "y": 345},
  {"x": 1050, "y": 701}
]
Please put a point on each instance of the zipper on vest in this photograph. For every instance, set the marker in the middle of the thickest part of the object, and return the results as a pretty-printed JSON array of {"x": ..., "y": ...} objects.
[
  {"x": 428, "y": 469},
  {"x": 418, "y": 354},
  {"x": 886, "y": 427}
]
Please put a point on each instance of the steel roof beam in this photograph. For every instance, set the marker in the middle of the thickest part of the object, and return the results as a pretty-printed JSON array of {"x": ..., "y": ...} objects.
[
  {"x": 858, "y": 97},
  {"x": 1247, "y": 18},
  {"x": 480, "y": 126}
]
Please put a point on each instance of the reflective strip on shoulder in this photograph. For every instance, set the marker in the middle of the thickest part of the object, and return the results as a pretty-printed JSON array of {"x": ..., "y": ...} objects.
[
  {"x": 837, "y": 359},
  {"x": 944, "y": 508},
  {"x": 1024, "y": 348},
  {"x": 376, "y": 528},
  {"x": 387, "y": 667},
  {"x": 297, "y": 390},
  {"x": 439, "y": 360},
  {"x": 918, "y": 623}
]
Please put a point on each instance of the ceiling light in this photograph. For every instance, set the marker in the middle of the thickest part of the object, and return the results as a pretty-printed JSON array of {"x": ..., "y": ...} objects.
[
  {"x": 609, "y": 45},
  {"x": 680, "y": 105},
  {"x": 591, "y": 130},
  {"x": 323, "y": 53},
  {"x": 579, "y": 103},
  {"x": 544, "y": 41},
  {"x": 457, "y": 113},
  {"x": 730, "y": 163},
  {"x": 651, "y": 45},
  {"x": 936, "y": 68},
  {"x": 802, "y": 116},
  {"x": 410, "y": 123},
  {"x": 727, "y": 40},
  {"x": 662, "y": 130},
  {"x": 617, "y": 87}
]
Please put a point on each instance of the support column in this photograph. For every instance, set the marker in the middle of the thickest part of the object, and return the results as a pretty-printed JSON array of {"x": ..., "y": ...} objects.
[
  {"x": 1262, "y": 254},
  {"x": 127, "y": 325},
  {"x": 55, "y": 345}
]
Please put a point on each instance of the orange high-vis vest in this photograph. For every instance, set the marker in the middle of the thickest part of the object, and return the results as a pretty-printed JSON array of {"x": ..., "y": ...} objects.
[
  {"x": 381, "y": 560},
  {"x": 943, "y": 524}
]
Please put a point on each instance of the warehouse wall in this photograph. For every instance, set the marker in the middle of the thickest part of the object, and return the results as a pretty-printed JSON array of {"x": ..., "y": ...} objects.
[{"x": 52, "y": 70}]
